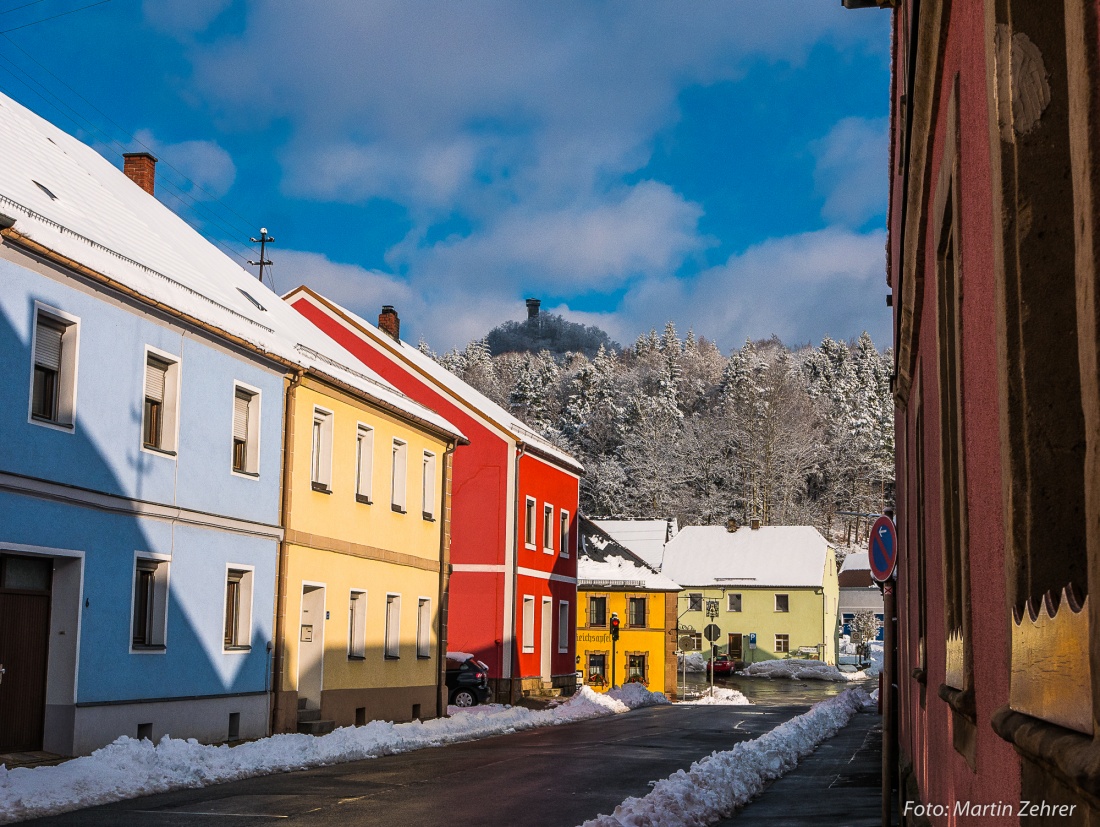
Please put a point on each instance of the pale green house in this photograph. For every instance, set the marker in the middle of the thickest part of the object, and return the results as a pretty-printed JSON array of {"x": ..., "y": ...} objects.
[{"x": 777, "y": 582}]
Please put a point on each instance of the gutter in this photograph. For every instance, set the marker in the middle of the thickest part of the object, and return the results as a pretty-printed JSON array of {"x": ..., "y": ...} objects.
[
  {"x": 444, "y": 584},
  {"x": 522, "y": 449}
]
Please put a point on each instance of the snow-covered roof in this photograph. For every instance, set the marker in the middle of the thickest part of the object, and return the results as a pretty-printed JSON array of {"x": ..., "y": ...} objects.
[
  {"x": 457, "y": 388},
  {"x": 604, "y": 562},
  {"x": 646, "y": 538},
  {"x": 768, "y": 556},
  {"x": 856, "y": 561},
  {"x": 66, "y": 197}
]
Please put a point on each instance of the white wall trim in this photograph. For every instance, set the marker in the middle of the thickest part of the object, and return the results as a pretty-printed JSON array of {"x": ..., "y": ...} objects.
[
  {"x": 546, "y": 575},
  {"x": 479, "y": 567}
]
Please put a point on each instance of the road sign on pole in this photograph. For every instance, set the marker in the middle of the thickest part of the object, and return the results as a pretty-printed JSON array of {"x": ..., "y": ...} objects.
[
  {"x": 752, "y": 640},
  {"x": 883, "y": 549}
]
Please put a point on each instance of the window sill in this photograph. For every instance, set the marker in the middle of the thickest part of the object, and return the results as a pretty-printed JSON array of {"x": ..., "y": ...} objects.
[
  {"x": 360, "y": 498},
  {"x": 531, "y": 546},
  {"x": 156, "y": 449},
  {"x": 320, "y": 487},
  {"x": 237, "y": 649},
  {"x": 1074, "y": 758},
  {"x": 255, "y": 475},
  {"x": 528, "y": 650},
  {"x": 391, "y": 657},
  {"x": 398, "y": 509},
  {"x": 547, "y": 551},
  {"x": 427, "y": 515},
  {"x": 357, "y": 657},
  {"x": 148, "y": 648},
  {"x": 423, "y": 657},
  {"x": 52, "y": 423}
]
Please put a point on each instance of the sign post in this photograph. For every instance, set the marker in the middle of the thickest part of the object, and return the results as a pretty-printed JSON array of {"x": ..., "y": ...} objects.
[{"x": 883, "y": 549}]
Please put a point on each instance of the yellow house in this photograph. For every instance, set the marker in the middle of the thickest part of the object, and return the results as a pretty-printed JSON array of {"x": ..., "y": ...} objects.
[
  {"x": 778, "y": 583},
  {"x": 612, "y": 580},
  {"x": 362, "y": 582}
]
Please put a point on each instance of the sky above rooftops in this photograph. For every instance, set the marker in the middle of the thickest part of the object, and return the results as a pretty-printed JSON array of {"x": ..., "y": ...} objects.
[{"x": 720, "y": 165}]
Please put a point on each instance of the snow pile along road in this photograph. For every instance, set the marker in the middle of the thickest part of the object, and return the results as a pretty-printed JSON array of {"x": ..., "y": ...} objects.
[
  {"x": 806, "y": 670},
  {"x": 717, "y": 785},
  {"x": 129, "y": 768},
  {"x": 721, "y": 696}
]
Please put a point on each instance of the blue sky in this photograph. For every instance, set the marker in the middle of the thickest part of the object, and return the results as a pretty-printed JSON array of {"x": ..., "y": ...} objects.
[{"x": 719, "y": 164}]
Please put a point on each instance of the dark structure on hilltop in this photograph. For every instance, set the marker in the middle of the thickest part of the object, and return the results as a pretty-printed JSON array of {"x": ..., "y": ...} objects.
[{"x": 547, "y": 331}]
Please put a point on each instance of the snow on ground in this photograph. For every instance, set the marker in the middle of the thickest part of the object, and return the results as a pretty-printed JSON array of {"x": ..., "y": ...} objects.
[
  {"x": 461, "y": 657},
  {"x": 695, "y": 662},
  {"x": 713, "y": 787},
  {"x": 720, "y": 696},
  {"x": 129, "y": 768},
  {"x": 799, "y": 669}
]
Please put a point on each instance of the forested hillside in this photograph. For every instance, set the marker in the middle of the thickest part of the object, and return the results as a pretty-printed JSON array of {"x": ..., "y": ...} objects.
[{"x": 672, "y": 427}]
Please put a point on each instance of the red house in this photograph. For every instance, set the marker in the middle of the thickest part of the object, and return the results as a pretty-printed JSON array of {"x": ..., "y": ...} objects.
[
  {"x": 513, "y": 586},
  {"x": 994, "y": 267}
]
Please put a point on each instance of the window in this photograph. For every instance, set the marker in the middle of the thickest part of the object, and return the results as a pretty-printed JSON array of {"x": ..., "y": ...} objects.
[
  {"x": 695, "y": 602},
  {"x": 53, "y": 374},
  {"x": 357, "y": 625},
  {"x": 636, "y": 611},
  {"x": 398, "y": 471},
  {"x": 597, "y": 668},
  {"x": 150, "y": 603},
  {"x": 393, "y": 626},
  {"x": 782, "y": 644},
  {"x": 528, "y": 623},
  {"x": 696, "y": 641},
  {"x": 564, "y": 534},
  {"x": 635, "y": 668},
  {"x": 548, "y": 528},
  {"x": 424, "y": 628},
  {"x": 564, "y": 635},
  {"x": 320, "y": 474},
  {"x": 597, "y": 611},
  {"x": 529, "y": 524},
  {"x": 782, "y": 603},
  {"x": 364, "y": 463},
  {"x": 427, "y": 486},
  {"x": 733, "y": 602},
  {"x": 246, "y": 430},
  {"x": 158, "y": 419},
  {"x": 238, "y": 609}
]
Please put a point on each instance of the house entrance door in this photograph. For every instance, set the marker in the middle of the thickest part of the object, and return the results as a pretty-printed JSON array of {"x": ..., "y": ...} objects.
[
  {"x": 735, "y": 647},
  {"x": 24, "y": 649}
]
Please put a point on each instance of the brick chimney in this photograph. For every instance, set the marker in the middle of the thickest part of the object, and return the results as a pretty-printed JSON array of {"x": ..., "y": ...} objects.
[
  {"x": 731, "y": 525},
  {"x": 389, "y": 323},
  {"x": 754, "y": 523},
  {"x": 141, "y": 168},
  {"x": 533, "y": 308}
]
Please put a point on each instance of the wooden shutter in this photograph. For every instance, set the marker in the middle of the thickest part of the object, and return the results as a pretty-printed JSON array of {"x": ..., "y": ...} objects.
[
  {"x": 155, "y": 374},
  {"x": 240, "y": 415},
  {"x": 47, "y": 344}
]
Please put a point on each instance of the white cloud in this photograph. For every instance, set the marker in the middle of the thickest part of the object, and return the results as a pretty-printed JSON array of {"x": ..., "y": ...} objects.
[
  {"x": 852, "y": 170},
  {"x": 209, "y": 168}
]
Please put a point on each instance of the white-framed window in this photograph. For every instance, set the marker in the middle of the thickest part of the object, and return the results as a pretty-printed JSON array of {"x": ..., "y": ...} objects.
[
  {"x": 548, "y": 528},
  {"x": 238, "y": 608},
  {"x": 564, "y": 630},
  {"x": 55, "y": 346},
  {"x": 149, "y": 620},
  {"x": 357, "y": 625},
  {"x": 529, "y": 518},
  {"x": 246, "y": 430},
  {"x": 427, "y": 485},
  {"x": 398, "y": 472},
  {"x": 563, "y": 531},
  {"x": 320, "y": 465},
  {"x": 364, "y": 463},
  {"x": 392, "y": 646},
  {"x": 782, "y": 603},
  {"x": 782, "y": 644},
  {"x": 695, "y": 602},
  {"x": 160, "y": 405},
  {"x": 528, "y": 623},
  {"x": 733, "y": 602},
  {"x": 424, "y": 627}
]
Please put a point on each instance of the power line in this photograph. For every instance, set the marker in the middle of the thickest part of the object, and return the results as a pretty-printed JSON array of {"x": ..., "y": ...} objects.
[
  {"x": 17, "y": 8},
  {"x": 53, "y": 16}
]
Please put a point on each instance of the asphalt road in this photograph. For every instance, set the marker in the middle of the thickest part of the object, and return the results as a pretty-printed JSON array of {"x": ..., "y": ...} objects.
[{"x": 555, "y": 776}]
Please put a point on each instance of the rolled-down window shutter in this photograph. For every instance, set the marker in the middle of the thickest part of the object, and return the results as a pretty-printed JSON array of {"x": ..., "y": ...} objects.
[
  {"x": 155, "y": 371},
  {"x": 47, "y": 345},
  {"x": 240, "y": 416}
]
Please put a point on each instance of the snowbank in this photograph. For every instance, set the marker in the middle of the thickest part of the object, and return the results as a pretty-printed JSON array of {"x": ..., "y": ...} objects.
[
  {"x": 129, "y": 768},
  {"x": 800, "y": 670},
  {"x": 695, "y": 662},
  {"x": 715, "y": 786},
  {"x": 720, "y": 696}
]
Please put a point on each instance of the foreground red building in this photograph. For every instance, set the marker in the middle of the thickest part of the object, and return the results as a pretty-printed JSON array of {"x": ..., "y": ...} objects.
[
  {"x": 513, "y": 583},
  {"x": 993, "y": 267}
]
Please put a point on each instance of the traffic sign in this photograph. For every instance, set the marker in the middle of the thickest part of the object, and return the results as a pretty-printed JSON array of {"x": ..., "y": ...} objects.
[
  {"x": 883, "y": 549},
  {"x": 712, "y": 632},
  {"x": 752, "y": 640}
]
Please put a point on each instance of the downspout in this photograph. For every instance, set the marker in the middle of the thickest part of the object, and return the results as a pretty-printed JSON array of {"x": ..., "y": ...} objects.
[
  {"x": 522, "y": 446},
  {"x": 283, "y": 563},
  {"x": 444, "y": 583}
]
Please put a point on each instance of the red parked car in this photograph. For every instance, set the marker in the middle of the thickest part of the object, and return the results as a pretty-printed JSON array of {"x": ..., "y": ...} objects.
[{"x": 721, "y": 665}]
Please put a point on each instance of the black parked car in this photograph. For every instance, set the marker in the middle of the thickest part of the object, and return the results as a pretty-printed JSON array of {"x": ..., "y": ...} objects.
[{"x": 467, "y": 682}]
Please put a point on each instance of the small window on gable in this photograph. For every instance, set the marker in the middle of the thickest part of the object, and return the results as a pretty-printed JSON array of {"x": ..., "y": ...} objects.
[
  {"x": 246, "y": 431},
  {"x": 695, "y": 602},
  {"x": 563, "y": 540},
  {"x": 782, "y": 603},
  {"x": 53, "y": 374},
  {"x": 733, "y": 602},
  {"x": 364, "y": 463},
  {"x": 161, "y": 405}
]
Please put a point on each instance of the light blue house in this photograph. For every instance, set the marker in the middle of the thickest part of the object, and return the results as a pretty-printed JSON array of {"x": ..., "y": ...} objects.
[{"x": 140, "y": 458}]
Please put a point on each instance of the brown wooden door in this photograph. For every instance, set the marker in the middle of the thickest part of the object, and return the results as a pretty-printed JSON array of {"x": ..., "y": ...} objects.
[
  {"x": 735, "y": 647},
  {"x": 24, "y": 647}
]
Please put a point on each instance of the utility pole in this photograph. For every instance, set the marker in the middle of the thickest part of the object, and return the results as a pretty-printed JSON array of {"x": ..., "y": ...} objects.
[{"x": 263, "y": 241}]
